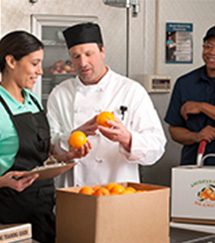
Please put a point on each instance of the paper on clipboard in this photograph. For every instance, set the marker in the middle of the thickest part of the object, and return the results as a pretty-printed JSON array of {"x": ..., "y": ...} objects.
[{"x": 49, "y": 171}]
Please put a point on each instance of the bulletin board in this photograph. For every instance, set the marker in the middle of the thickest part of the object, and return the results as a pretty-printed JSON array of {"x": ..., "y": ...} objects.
[{"x": 179, "y": 43}]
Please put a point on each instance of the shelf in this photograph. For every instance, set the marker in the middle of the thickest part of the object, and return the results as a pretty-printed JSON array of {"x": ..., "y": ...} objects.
[
  {"x": 50, "y": 76},
  {"x": 45, "y": 96},
  {"x": 46, "y": 79},
  {"x": 53, "y": 43}
]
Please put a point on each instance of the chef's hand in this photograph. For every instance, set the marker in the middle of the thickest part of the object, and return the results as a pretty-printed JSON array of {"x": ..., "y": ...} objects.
[
  {"x": 207, "y": 133},
  {"x": 117, "y": 133},
  {"x": 89, "y": 127},
  {"x": 190, "y": 107},
  {"x": 8, "y": 180}
]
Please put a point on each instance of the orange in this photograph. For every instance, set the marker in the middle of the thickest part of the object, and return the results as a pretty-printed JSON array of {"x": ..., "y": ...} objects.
[
  {"x": 141, "y": 190},
  {"x": 131, "y": 189},
  {"x": 86, "y": 190},
  {"x": 212, "y": 196},
  {"x": 117, "y": 189},
  {"x": 113, "y": 193},
  {"x": 95, "y": 188},
  {"x": 208, "y": 191},
  {"x": 101, "y": 192},
  {"x": 127, "y": 192},
  {"x": 110, "y": 185},
  {"x": 77, "y": 139},
  {"x": 103, "y": 117},
  {"x": 203, "y": 195}
]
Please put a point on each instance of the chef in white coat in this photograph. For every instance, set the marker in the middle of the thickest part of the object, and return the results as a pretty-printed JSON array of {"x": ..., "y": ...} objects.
[{"x": 135, "y": 137}]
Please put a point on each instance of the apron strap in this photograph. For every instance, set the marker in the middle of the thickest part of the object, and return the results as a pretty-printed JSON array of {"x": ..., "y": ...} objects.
[
  {"x": 8, "y": 109},
  {"x": 35, "y": 102},
  {"x": 6, "y": 106}
]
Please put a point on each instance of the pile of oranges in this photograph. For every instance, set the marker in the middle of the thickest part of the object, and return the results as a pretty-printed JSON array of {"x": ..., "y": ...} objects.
[
  {"x": 207, "y": 193},
  {"x": 110, "y": 189}
]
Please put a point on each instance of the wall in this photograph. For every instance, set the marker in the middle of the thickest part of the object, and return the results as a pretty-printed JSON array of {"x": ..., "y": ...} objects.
[
  {"x": 201, "y": 14},
  {"x": 16, "y": 15}
]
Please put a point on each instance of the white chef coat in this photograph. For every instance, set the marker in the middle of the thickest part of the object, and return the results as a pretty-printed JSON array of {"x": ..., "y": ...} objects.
[{"x": 71, "y": 104}]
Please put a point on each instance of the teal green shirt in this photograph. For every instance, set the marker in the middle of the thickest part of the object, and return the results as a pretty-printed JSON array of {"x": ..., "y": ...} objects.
[{"x": 9, "y": 142}]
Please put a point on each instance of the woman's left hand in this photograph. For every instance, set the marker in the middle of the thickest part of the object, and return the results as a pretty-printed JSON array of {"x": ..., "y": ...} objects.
[
  {"x": 74, "y": 153},
  {"x": 11, "y": 179}
]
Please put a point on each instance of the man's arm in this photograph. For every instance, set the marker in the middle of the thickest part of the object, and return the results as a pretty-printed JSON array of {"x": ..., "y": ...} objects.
[
  {"x": 193, "y": 107},
  {"x": 185, "y": 137}
]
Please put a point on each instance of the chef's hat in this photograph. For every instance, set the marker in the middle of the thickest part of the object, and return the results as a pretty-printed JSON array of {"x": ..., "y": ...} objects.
[{"x": 82, "y": 33}]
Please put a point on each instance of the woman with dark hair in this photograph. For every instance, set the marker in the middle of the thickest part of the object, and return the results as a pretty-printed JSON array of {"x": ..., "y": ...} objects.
[{"x": 25, "y": 138}]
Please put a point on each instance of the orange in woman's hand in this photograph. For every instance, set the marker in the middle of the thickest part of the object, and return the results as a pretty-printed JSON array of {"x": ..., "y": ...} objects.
[
  {"x": 103, "y": 117},
  {"x": 77, "y": 139}
]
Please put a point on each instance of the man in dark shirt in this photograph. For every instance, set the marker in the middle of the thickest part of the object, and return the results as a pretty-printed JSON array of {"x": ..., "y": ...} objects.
[{"x": 191, "y": 112}]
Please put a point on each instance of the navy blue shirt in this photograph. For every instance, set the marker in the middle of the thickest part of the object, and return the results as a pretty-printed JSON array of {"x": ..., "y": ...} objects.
[{"x": 194, "y": 86}]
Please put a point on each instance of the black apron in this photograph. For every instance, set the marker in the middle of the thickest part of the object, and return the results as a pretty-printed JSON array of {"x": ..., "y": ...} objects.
[{"x": 34, "y": 204}]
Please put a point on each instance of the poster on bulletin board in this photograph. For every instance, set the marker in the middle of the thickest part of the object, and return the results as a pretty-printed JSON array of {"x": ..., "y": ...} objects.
[{"x": 179, "y": 43}]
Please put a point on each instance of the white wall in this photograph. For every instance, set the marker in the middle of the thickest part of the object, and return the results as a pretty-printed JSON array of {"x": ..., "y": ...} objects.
[{"x": 15, "y": 14}]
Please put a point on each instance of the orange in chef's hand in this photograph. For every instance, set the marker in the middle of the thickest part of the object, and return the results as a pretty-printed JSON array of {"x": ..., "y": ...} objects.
[
  {"x": 77, "y": 139},
  {"x": 103, "y": 117}
]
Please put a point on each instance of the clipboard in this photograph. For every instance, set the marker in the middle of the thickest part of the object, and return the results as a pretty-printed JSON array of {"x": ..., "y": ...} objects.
[{"x": 49, "y": 171}]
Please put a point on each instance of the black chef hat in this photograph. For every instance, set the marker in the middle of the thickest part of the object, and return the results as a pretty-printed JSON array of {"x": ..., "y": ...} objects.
[
  {"x": 82, "y": 33},
  {"x": 210, "y": 32}
]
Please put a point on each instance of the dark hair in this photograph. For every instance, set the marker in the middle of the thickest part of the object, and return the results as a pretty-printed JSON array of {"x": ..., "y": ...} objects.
[{"x": 18, "y": 44}]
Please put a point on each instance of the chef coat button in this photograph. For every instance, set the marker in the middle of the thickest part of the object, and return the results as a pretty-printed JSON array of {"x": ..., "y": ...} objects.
[
  {"x": 98, "y": 110},
  {"x": 99, "y": 160},
  {"x": 99, "y": 90}
]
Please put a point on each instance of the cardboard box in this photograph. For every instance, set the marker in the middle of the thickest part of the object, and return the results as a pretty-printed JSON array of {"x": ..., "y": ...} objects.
[
  {"x": 138, "y": 217},
  {"x": 193, "y": 194}
]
